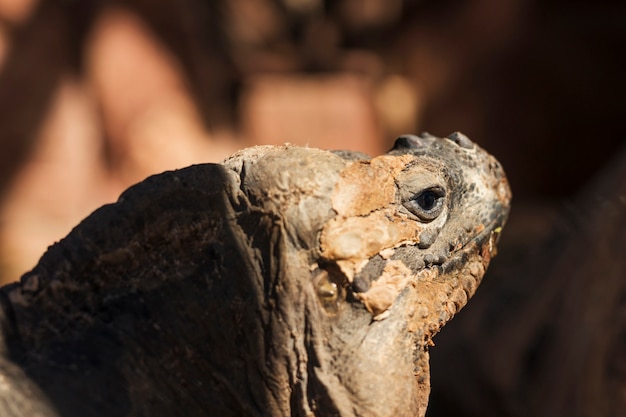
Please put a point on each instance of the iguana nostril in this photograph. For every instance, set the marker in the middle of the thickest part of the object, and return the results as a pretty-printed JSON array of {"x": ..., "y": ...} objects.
[
  {"x": 408, "y": 142},
  {"x": 461, "y": 140}
]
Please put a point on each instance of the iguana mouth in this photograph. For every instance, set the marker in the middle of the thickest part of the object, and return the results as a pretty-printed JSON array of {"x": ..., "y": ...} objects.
[
  {"x": 463, "y": 268},
  {"x": 484, "y": 242}
]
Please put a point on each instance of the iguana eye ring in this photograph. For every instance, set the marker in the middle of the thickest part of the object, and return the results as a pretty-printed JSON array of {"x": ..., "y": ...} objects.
[{"x": 427, "y": 204}]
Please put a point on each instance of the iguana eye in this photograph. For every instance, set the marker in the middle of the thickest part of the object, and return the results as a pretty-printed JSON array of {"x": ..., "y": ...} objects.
[{"x": 427, "y": 204}]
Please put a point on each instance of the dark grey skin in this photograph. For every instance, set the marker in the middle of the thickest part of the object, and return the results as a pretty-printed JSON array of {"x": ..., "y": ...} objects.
[{"x": 286, "y": 281}]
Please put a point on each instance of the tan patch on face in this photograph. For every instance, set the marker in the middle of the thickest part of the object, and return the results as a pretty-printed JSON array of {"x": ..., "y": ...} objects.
[
  {"x": 367, "y": 220},
  {"x": 385, "y": 289},
  {"x": 364, "y": 236},
  {"x": 366, "y": 186}
]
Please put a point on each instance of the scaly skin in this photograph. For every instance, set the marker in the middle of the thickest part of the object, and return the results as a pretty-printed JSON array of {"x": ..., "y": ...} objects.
[{"x": 285, "y": 282}]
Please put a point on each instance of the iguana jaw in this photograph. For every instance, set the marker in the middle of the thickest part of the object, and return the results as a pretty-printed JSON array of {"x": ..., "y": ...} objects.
[
  {"x": 467, "y": 264},
  {"x": 398, "y": 337}
]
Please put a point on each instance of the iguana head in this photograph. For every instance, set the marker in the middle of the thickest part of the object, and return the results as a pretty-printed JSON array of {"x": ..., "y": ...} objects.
[{"x": 395, "y": 246}]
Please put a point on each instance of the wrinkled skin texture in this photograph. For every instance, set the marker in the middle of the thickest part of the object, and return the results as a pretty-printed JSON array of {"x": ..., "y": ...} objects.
[{"x": 285, "y": 282}]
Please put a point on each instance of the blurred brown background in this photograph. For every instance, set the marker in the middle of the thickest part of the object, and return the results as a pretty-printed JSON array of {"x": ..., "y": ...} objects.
[{"x": 97, "y": 95}]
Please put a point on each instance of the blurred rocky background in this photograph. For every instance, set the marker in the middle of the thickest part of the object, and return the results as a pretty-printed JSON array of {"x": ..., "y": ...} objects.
[{"x": 97, "y": 95}]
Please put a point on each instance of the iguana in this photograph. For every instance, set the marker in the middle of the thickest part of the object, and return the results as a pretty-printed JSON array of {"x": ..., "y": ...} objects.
[{"x": 286, "y": 281}]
